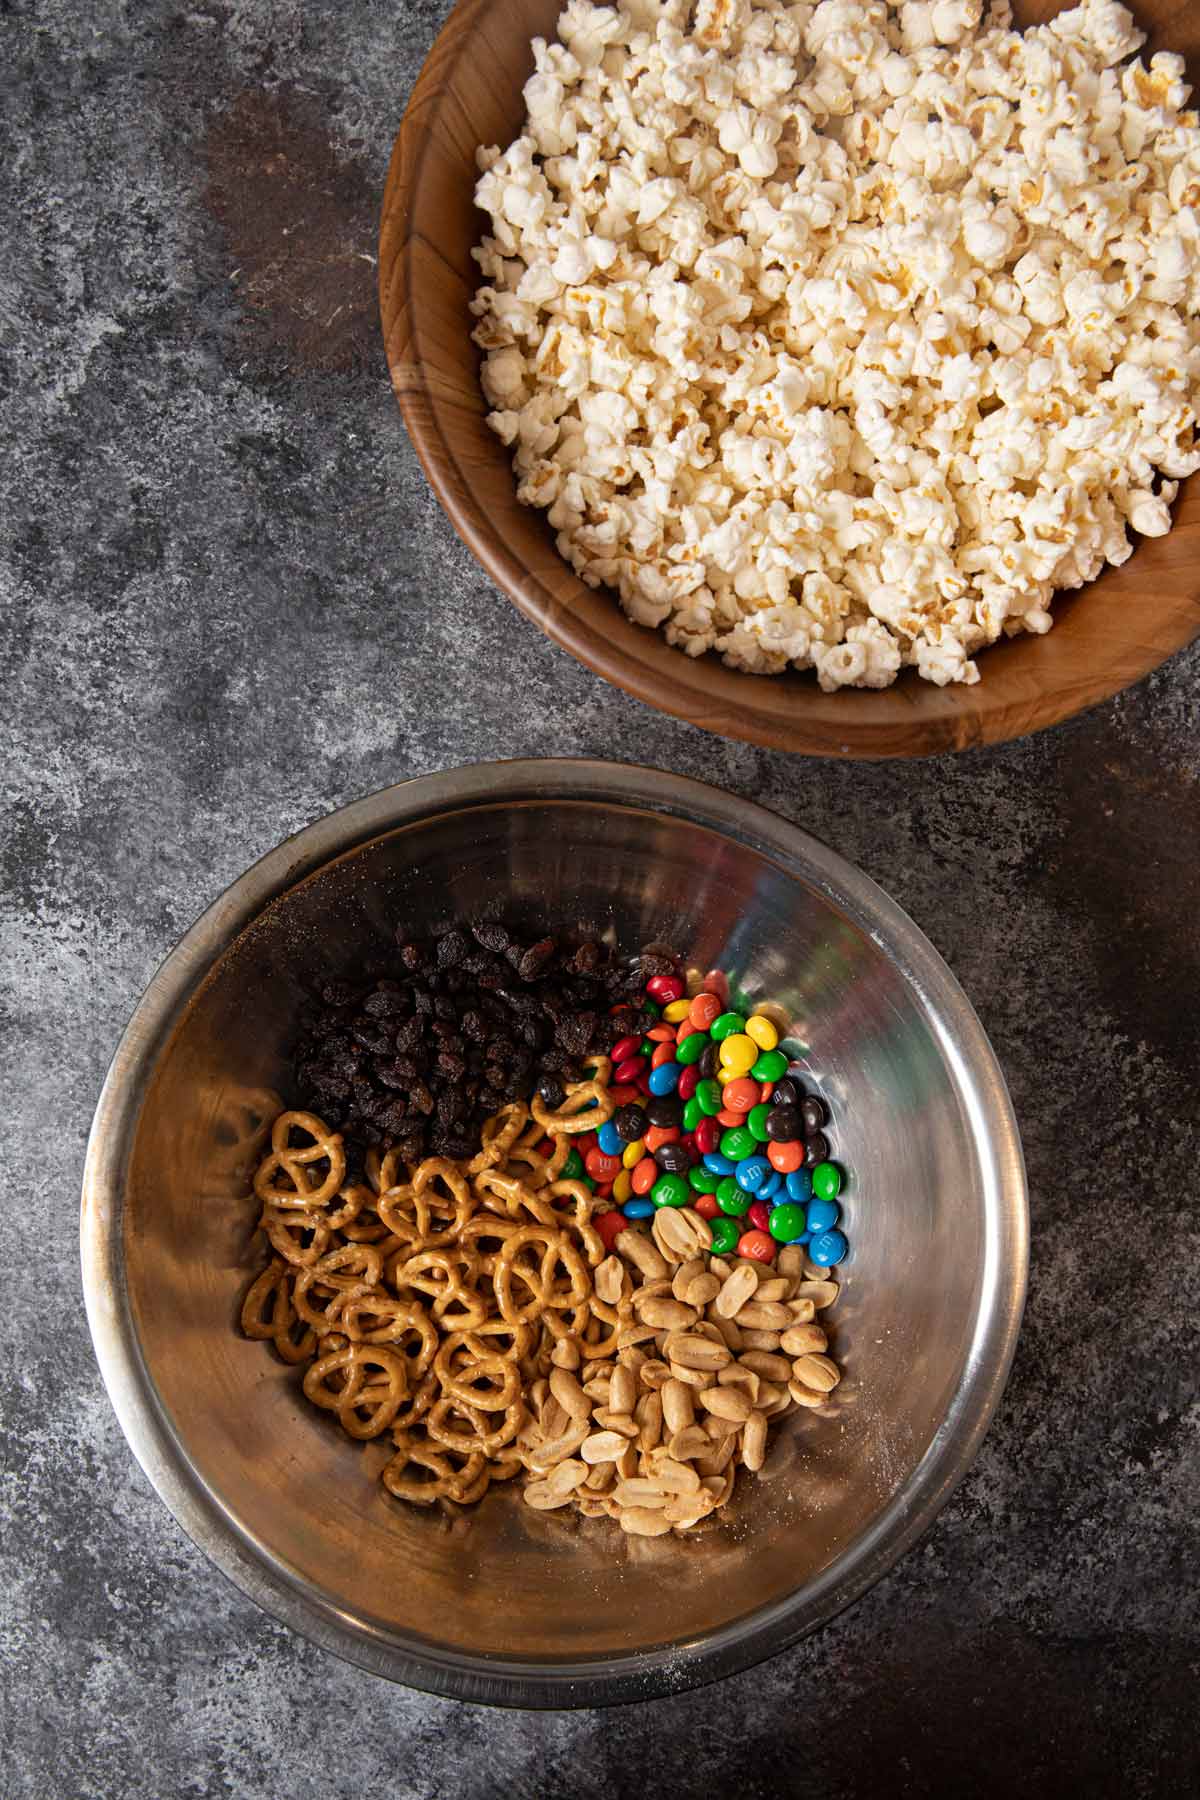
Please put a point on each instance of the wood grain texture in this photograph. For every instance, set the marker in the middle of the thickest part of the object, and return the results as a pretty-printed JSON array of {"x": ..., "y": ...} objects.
[{"x": 1105, "y": 636}]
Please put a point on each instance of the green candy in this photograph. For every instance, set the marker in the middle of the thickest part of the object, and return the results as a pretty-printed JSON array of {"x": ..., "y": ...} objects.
[
  {"x": 693, "y": 1112},
  {"x": 589, "y": 1184},
  {"x": 725, "y": 1235},
  {"x": 708, "y": 1093},
  {"x": 670, "y": 1190},
  {"x": 726, "y": 1025},
  {"x": 739, "y": 1141},
  {"x": 827, "y": 1181},
  {"x": 786, "y": 1222},
  {"x": 704, "y": 1181},
  {"x": 572, "y": 1169},
  {"x": 647, "y": 1047},
  {"x": 646, "y": 1004},
  {"x": 771, "y": 1066},
  {"x": 692, "y": 1048},
  {"x": 756, "y": 1122},
  {"x": 732, "y": 1199}
]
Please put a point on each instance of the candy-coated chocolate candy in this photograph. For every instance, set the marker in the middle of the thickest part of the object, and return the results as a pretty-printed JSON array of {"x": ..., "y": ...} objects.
[
  {"x": 784, "y": 1123},
  {"x": 629, "y": 1070},
  {"x": 708, "y": 1135},
  {"x": 638, "y": 1208},
  {"x": 622, "y": 1188},
  {"x": 731, "y": 1198},
  {"x": 624, "y": 1048},
  {"x": 752, "y": 1173},
  {"x": 785, "y": 1157},
  {"x": 786, "y": 1222},
  {"x": 704, "y": 1181},
  {"x": 600, "y": 1166},
  {"x": 725, "y": 1025},
  {"x": 670, "y": 1190},
  {"x": 665, "y": 988},
  {"x": 622, "y": 1093},
  {"x": 762, "y": 1031},
  {"x": 692, "y": 1113},
  {"x": 772, "y": 1186},
  {"x": 651, "y": 1006},
  {"x": 610, "y": 1225},
  {"x": 664, "y": 1079},
  {"x": 691, "y": 1048},
  {"x": 816, "y": 1114},
  {"x": 827, "y": 1181},
  {"x": 610, "y": 1139},
  {"x": 740, "y": 1094},
  {"x": 705, "y": 1010},
  {"x": 799, "y": 1185},
  {"x": 589, "y": 1184},
  {"x": 828, "y": 1248},
  {"x": 657, "y": 1135},
  {"x": 759, "y": 1216},
  {"x": 769, "y": 1065},
  {"x": 757, "y": 1119},
  {"x": 816, "y": 1150},
  {"x": 689, "y": 1081},
  {"x": 787, "y": 1091},
  {"x": 645, "y": 1175},
  {"x": 720, "y": 1165},
  {"x": 633, "y": 1153},
  {"x": 676, "y": 1011},
  {"x": 759, "y": 1246},
  {"x": 572, "y": 1169},
  {"x": 725, "y": 1235},
  {"x": 730, "y": 1119},
  {"x": 675, "y": 1158},
  {"x": 664, "y": 1110},
  {"x": 660, "y": 1034},
  {"x": 823, "y": 1215},
  {"x": 663, "y": 1053},
  {"x": 708, "y": 1093},
  {"x": 738, "y": 1053},
  {"x": 738, "y": 1142},
  {"x": 706, "y": 1206}
]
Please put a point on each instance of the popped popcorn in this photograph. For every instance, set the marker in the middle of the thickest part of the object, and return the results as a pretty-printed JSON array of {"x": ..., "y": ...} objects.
[{"x": 841, "y": 336}]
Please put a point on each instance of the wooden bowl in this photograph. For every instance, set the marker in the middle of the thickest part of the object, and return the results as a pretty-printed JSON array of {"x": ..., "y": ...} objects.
[{"x": 469, "y": 93}]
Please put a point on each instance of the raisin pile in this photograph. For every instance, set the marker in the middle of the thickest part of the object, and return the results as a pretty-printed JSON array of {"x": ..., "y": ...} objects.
[{"x": 467, "y": 1020}]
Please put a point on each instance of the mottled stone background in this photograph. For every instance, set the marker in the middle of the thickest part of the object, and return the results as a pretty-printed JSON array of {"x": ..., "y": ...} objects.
[{"x": 230, "y": 603}]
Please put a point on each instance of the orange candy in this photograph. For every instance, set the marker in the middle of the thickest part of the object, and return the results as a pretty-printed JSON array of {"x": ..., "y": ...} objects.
[
  {"x": 644, "y": 1176},
  {"x": 787, "y": 1158},
  {"x": 658, "y": 1135},
  {"x": 664, "y": 1054},
  {"x": 759, "y": 1246},
  {"x": 740, "y": 1094},
  {"x": 727, "y": 1117},
  {"x": 662, "y": 1034},
  {"x": 706, "y": 1007}
]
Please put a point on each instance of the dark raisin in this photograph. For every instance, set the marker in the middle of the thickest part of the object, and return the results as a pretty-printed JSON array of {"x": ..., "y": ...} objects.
[
  {"x": 552, "y": 1093},
  {"x": 491, "y": 934},
  {"x": 474, "y": 1027},
  {"x": 338, "y": 993},
  {"x": 451, "y": 949},
  {"x": 535, "y": 959},
  {"x": 410, "y": 956}
]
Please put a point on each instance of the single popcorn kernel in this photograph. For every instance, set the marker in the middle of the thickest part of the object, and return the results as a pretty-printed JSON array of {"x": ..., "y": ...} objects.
[{"x": 844, "y": 345}]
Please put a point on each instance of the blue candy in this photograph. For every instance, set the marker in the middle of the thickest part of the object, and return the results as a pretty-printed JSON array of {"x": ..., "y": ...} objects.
[
  {"x": 752, "y": 1172},
  {"x": 799, "y": 1186},
  {"x": 664, "y": 1079},
  {"x": 608, "y": 1140},
  {"x": 769, "y": 1189},
  {"x": 804, "y": 1238},
  {"x": 823, "y": 1215},
  {"x": 718, "y": 1164},
  {"x": 640, "y": 1208},
  {"x": 828, "y": 1248}
]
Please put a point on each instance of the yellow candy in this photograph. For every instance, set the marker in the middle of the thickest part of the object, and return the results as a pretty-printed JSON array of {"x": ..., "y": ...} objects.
[
  {"x": 739, "y": 1053},
  {"x": 633, "y": 1153},
  {"x": 622, "y": 1187},
  {"x": 762, "y": 1031},
  {"x": 676, "y": 1011}
]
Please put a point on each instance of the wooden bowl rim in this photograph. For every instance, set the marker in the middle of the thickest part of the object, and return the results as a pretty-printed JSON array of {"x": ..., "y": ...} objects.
[{"x": 852, "y": 723}]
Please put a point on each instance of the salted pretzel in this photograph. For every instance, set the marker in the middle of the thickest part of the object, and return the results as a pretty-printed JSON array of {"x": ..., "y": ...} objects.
[{"x": 301, "y": 1187}]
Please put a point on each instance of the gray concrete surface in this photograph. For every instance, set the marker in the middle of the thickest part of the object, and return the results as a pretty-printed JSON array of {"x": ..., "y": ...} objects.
[{"x": 230, "y": 603}]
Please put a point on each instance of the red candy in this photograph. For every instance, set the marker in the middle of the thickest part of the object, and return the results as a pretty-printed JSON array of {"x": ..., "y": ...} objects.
[
  {"x": 717, "y": 982},
  {"x": 687, "y": 1081},
  {"x": 587, "y": 1140},
  {"x": 708, "y": 1136},
  {"x": 610, "y": 1225},
  {"x": 624, "y": 1048},
  {"x": 665, "y": 988},
  {"x": 627, "y": 1071},
  {"x": 644, "y": 1175},
  {"x": 621, "y": 1095},
  {"x": 706, "y": 1206},
  {"x": 644, "y": 1082},
  {"x": 759, "y": 1246},
  {"x": 759, "y": 1215},
  {"x": 601, "y": 1167},
  {"x": 787, "y": 1158}
]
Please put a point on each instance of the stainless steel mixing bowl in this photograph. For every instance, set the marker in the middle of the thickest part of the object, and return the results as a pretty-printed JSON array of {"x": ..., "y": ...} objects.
[{"x": 509, "y": 1605}]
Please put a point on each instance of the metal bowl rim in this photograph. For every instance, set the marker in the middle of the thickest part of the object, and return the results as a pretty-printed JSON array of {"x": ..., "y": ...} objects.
[{"x": 283, "y": 1592}]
